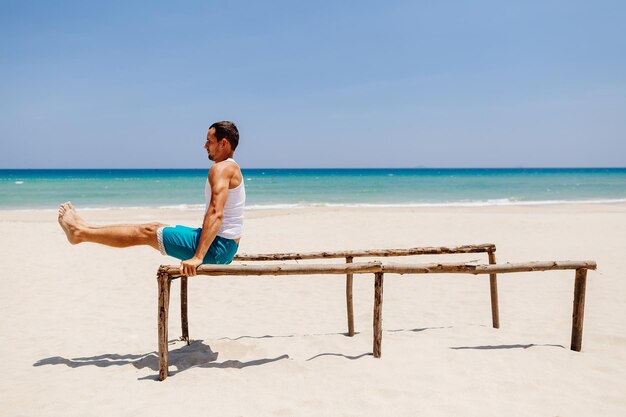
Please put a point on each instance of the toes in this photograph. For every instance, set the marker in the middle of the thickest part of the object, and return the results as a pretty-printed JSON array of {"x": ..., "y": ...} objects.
[
  {"x": 66, "y": 208},
  {"x": 63, "y": 209}
]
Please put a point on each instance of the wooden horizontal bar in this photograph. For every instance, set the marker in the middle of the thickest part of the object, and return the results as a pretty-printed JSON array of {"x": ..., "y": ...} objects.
[
  {"x": 432, "y": 250},
  {"x": 298, "y": 269},
  {"x": 455, "y": 268},
  {"x": 376, "y": 266}
]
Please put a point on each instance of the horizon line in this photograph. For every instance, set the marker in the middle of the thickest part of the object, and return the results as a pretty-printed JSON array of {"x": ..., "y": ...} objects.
[{"x": 323, "y": 168}]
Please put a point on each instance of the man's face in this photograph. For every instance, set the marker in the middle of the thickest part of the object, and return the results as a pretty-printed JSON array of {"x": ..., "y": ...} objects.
[{"x": 211, "y": 144}]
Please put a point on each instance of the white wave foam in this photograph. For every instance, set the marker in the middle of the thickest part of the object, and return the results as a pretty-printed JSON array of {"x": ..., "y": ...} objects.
[
  {"x": 480, "y": 203},
  {"x": 483, "y": 203},
  {"x": 185, "y": 207}
]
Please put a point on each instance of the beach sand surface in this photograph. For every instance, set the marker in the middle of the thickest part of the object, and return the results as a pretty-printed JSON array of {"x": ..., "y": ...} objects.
[{"x": 79, "y": 323}]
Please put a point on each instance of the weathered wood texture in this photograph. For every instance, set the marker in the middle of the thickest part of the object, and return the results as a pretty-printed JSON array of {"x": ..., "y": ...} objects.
[
  {"x": 578, "y": 313},
  {"x": 350, "y": 255},
  {"x": 430, "y": 250},
  {"x": 493, "y": 287},
  {"x": 164, "y": 281},
  {"x": 378, "y": 314},
  {"x": 167, "y": 273},
  {"x": 453, "y": 268},
  {"x": 184, "y": 322},
  {"x": 292, "y": 269},
  {"x": 349, "y": 302},
  {"x": 375, "y": 266}
]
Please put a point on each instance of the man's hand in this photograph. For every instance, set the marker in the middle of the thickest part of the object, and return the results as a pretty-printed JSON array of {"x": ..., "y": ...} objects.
[{"x": 188, "y": 267}]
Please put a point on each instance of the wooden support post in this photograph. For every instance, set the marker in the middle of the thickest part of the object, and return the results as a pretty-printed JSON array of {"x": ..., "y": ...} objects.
[
  {"x": 493, "y": 284},
  {"x": 164, "y": 304},
  {"x": 349, "y": 304},
  {"x": 378, "y": 313},
  {"x": 184, "y": 324},
  {"x": 579, "y": 309}
]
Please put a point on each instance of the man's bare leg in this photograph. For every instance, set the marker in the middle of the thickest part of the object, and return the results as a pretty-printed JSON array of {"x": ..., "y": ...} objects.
[{"x": 119, "y": 236}]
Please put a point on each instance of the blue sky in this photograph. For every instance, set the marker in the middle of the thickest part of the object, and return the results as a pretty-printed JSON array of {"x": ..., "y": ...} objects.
[{"x": 313, "y": 84}]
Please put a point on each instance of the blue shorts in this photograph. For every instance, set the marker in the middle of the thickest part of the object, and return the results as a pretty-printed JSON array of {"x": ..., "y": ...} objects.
[{"x": 181, "y": 242}]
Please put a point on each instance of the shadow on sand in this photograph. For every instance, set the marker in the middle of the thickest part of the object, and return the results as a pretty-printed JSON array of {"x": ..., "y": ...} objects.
[
  {"x": 194, "y": 355},
  {"x": 493, "y": 347},
  {"x": 340, "y": 355},
  {"x": 269, "y": 336},
  {"x": 417, "y": 330},
  {"x": 483, "y": 347}
]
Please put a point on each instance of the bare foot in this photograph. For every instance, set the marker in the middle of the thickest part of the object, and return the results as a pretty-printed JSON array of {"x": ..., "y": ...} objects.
[
  {"x": 70, "y": 222},
  {"x": 79, "y": 220}
]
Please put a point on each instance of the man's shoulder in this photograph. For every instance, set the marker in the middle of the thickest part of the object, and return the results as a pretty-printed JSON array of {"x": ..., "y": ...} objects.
[{"x": 224, "y": 168}]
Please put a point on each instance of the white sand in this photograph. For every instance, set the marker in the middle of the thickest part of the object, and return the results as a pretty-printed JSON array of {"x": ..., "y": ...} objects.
[{"x": 78, "y": 323}]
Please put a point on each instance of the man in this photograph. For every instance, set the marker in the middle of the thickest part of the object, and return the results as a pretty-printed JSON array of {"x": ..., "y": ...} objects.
[{"x": 218, "y": 239}]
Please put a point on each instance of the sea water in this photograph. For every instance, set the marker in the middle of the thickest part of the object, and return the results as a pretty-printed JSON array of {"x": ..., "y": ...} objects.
[{"x": 276, "y": 188}]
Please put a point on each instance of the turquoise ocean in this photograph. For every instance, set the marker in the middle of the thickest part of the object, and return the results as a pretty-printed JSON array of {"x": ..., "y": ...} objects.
[{"x": 278, "y": 188}]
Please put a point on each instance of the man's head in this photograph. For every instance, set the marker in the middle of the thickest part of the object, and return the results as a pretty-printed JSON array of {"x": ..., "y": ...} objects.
[
  {"x": 226, "y": 130},
  {"x": 221, "y": 140}
]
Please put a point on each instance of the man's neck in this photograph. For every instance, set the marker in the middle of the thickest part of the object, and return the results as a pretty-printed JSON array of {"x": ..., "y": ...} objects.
[{"x": 223, "y": 159}]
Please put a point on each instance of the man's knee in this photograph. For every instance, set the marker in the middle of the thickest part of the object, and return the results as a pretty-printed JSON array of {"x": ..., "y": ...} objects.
[
  {"x": 149, "y": 230},
  {"x": 149, "y": 233}
]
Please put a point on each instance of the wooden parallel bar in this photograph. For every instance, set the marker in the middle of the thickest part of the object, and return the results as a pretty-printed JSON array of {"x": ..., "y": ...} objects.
[
  {"x": 372, "y": 267},
  {"x": 292, "y": 269},
  {"x": 430, "y": 250},
  {"x": 168, "y": 272},
  {"x": 350, "y": 255},
  {"x": 452, "y": 268}
]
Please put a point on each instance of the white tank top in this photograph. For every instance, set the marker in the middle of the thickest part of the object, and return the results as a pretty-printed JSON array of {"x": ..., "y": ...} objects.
[{"x": 232, "y": 222}]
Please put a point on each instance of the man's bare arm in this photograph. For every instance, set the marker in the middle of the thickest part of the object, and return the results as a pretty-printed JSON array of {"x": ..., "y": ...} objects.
[{"x": 219, "y": 179}]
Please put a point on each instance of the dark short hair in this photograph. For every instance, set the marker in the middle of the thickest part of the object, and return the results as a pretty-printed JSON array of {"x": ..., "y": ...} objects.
[{"x": 226, "y": 130}]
